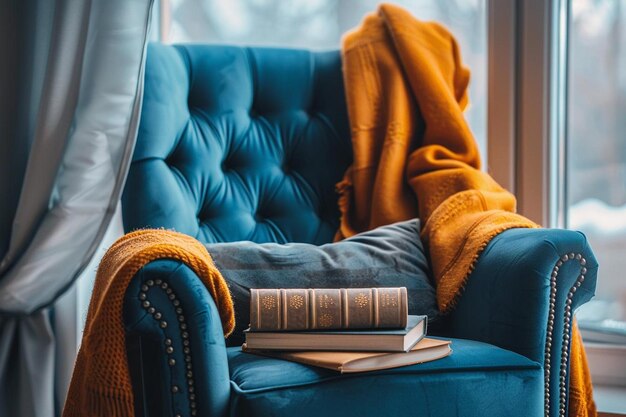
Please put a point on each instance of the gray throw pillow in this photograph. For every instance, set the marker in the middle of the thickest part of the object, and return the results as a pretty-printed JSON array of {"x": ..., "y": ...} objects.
[{"x": 389, "y": 256}]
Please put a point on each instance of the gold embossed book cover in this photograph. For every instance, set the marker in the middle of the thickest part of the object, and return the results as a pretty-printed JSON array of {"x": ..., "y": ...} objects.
[{"x": 283, "y": 309}]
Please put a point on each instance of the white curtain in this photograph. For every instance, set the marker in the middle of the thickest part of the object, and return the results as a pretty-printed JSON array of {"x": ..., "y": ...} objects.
[{"x": 78, "y": 129}]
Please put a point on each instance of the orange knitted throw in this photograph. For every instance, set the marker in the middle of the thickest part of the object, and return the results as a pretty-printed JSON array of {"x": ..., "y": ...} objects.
[
  {"x": 414, "y": 155},
  {"x": 101, "y": 384}
]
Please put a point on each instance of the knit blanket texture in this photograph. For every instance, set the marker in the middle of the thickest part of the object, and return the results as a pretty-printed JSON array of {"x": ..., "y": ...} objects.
[{"x": 415, "y": 156}]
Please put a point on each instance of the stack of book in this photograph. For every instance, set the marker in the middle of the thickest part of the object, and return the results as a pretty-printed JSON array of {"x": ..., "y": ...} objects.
[{"x": 347, "y": 330}]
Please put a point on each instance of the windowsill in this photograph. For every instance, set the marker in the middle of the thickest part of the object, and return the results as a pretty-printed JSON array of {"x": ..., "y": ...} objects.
[
  {"x": 610, "y": 399},
  {"x": 607, "y": 364}
]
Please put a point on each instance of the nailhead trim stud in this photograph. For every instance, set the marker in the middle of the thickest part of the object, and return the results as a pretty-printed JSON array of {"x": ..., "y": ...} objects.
[
  {"x": 169, "y": 349},
  {"x": 567, "y": 318}
]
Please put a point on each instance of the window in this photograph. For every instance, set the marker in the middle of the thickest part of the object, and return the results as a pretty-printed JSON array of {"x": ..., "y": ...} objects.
[
  {"x": 319, "y": 24},
  {"x": 596, "y": 153}
]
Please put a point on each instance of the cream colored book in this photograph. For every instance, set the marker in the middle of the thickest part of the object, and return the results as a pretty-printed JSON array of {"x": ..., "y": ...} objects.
[{"x": 348, "y": 362}]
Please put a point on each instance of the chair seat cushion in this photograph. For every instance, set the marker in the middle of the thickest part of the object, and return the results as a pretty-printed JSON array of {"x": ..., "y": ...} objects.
[{"x": 476, "y": 379}]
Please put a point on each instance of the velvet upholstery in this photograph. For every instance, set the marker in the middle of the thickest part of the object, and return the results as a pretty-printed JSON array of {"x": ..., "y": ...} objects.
[
  {"x": 247, "y": 144},
  {"x": 458, "y": 385},
  {"x": 507, "y": 299},
  {"x": 240, "y": 144}
]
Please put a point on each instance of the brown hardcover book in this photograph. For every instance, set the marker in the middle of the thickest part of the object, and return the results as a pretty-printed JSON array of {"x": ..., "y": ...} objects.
[
  {"x": 327, "y": 309},
  {"x": 346, "y": 362}
]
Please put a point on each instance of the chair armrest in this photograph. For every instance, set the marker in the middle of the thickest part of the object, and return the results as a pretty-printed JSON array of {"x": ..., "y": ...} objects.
[
  {"x": 522, "y": 294},
  {"x": 175, "y": 343}
]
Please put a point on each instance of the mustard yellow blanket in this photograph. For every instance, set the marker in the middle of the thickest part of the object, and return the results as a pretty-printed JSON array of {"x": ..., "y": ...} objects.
[
  {"x": 101, "y": 385},
  {"x": 414, "y": 155}
]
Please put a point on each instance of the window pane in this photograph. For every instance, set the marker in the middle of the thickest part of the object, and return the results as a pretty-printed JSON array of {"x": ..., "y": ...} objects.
[
  {"x": 597, "y": 149},
  {"x": 319, "y": 24}
]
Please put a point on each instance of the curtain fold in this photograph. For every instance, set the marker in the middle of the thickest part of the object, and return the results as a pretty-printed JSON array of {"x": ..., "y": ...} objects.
[
  {"x": 27, "y": 351},
  {"x": 54, "y": 118},
  {"x": 25, "y": 28},
  {"x": 85, "y": 128}
]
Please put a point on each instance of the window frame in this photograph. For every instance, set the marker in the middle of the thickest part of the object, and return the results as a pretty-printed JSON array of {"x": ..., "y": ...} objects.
[
  {"x": 527, "y": 121},
  {"x": 527, "y": 85}
]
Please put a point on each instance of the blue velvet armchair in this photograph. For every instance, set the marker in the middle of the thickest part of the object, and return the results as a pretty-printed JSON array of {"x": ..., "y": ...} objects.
[{"x": 247, "y": 144}]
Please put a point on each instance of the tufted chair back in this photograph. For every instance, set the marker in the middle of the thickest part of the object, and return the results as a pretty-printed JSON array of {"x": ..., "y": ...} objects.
[{"x": 239, "y": 144}]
